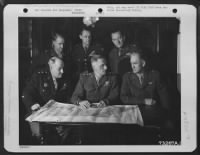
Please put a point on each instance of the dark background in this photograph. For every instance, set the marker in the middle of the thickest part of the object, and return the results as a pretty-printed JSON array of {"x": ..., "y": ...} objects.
[
  {"x": 156, "y": 36},
  {"x": 3, "y": 3}
]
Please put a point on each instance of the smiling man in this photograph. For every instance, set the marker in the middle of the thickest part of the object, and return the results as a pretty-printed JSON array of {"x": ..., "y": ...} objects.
[{"x": 98, "y": 88}]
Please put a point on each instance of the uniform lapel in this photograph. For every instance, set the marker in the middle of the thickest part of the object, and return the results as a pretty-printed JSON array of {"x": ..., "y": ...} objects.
[
  {"x": 145, "y": 80},
  {"x": 60, "y": 83},
  {"x": 135, "y": 80},
  {"x": 103, "y": 80},
  {"x": 94, "y": 81},
  {"x": 51, "y": 83}
]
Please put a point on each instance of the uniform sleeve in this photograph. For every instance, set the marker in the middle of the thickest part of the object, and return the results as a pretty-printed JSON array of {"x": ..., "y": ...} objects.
[
  {"x": 75, "y": 62},
  {"x": 110, "y": 57},
  {"x": 113, "y": 96},
  {"x": 79, "y": 92},
  {"x": 30, "y": 93},
  {"x": 126, "y": 96},
  {"x": 162, "y": 91}
]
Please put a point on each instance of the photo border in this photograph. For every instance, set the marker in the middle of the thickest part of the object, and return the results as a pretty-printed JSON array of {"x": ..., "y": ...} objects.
[{"x": 188, "y": 60}]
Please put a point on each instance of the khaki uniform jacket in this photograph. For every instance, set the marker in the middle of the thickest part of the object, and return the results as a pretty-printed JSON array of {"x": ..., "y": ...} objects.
[
  {"x": 132, "y": 92},
  {"x": 81, "y": 59},
  {"x": 87, "y": 89}
]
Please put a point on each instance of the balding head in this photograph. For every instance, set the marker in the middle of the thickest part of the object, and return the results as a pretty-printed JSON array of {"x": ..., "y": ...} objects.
[
  {"x": 56, "y": 67},
  {"x": 137, "y": 62}
]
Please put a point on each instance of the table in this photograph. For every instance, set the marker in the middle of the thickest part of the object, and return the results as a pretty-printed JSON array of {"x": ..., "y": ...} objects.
[
  {"x": 68, "y": 114},
  {"x": 55, "y": 112}
]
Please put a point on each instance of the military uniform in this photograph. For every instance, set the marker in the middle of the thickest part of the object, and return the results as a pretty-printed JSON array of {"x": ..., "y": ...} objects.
[
  {"x": 88, "y": 89},
  {"x": 133, "y": 92},
  {"x": 81, "y": 59},
  {"x": 43, "y": 58},
  {"x": 119, "y": 61},
  {"x": 41, "y": 88}
]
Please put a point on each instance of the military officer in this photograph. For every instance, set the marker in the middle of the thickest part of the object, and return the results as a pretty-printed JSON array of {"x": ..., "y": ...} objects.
[
  {"x": 97, "y": 89},
  {"x": 56, "y": 50},
  {"x": 44, "y": 85},
  {"x": 81, "y": 54},
  {"x": 144, "y": 88},
  {"x": 118, "y": 59},
  {"x": 57, "y": 46}
]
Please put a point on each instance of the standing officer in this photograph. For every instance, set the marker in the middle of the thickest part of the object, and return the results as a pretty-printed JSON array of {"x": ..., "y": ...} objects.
[
  {"x": 57, "y": 46},
  {"x": 144, "y": 88},
  {"x": 97, "y": 88},
  {"x": 81, "y": 54},
  {"x": 118, "y": 59},
  {"x": 44, "y": 85}
]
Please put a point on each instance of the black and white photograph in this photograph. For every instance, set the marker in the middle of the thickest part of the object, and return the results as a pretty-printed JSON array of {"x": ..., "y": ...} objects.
[
  {"x": 112, "y": 81},
  {"x": 100, "y": 78}
]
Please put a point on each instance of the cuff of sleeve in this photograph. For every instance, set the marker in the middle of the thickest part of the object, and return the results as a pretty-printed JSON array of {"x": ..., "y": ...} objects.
[
  {"x": 105, "y": 101},
  {"x": 77, "y": 102}
]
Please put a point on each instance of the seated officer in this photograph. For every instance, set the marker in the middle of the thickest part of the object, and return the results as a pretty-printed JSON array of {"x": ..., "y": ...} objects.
[
  {"x": 98, "y": 88},
  {"x": 144, "y": 88},
  {"x": 44, "y": 85}
]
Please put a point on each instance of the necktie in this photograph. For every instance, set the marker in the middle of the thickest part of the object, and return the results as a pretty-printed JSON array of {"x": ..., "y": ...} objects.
[
  {"x": 86, "y": 49},
  {"x": 119, "y": 51},
  {"x": 141, "y": 78}
]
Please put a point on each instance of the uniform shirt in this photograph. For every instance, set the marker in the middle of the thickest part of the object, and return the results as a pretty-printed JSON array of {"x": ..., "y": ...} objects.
[
  {"x": 88, "y": 89},
  {"x": 80, "y": 57},
  {"x": 119, "y": 61},
  {"x": 41, "y": 88},
  {"x": 133, "y": 92}
]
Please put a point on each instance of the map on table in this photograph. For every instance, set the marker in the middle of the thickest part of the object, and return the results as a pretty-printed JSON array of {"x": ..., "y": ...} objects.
[{"x": 62, "y": 112}]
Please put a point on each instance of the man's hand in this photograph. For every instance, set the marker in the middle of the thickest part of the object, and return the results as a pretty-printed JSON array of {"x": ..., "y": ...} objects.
[
  {"x": 35, "y": 107},
  {"x": 149, "y": 101},
  {"x": 100, "y": 104},
  {"x": 84, "y": 104}
]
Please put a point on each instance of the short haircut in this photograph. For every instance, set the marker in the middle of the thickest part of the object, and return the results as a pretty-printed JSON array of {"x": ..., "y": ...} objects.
[
  {"x": 96, "y": 57},
  {"x": 55, "y": 35},
  {"x": 132, "y": 50},
  {"x": 84, "y": 28},
  {"x": 53, "y": 60},
  {"x": 115, "y": 30}
]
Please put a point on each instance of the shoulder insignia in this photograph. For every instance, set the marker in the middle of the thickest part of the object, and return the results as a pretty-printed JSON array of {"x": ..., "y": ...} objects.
[{"x": 42, "y": 72}]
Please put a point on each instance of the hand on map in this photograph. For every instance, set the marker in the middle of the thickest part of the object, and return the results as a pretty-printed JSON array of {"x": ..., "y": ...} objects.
[
  {"x": 84, "y": 104},
  {"x": 100, "y": 104},
  {"x": 35, "y": 107}
]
